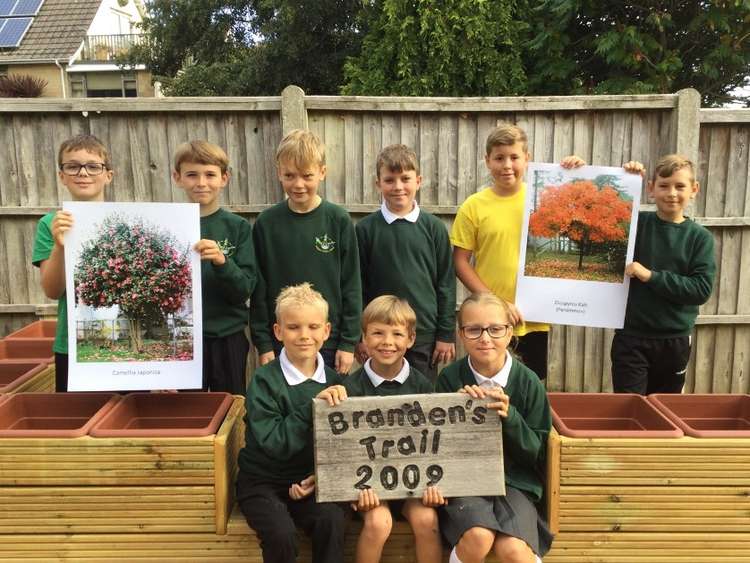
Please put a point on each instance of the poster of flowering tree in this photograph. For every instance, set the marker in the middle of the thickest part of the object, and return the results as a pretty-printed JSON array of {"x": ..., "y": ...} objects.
[
  {"x": 578, "y": 235},
  {"x": 133, "y": 294}
]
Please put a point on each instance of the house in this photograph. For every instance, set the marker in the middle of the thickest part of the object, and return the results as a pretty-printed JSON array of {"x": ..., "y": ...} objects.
[{"x": 72, "y": 44}]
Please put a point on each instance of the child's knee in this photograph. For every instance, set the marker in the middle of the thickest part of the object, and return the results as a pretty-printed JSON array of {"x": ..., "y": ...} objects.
[
  {"x": 377, "y": 524},
  {"x": 513, "y": 550},
  {"x": 423, "y": 520},
  {"x": 476, "y": 542}
]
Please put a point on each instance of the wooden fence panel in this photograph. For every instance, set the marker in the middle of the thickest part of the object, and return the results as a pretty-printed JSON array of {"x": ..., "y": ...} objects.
[{"x": 449, "y": 138}]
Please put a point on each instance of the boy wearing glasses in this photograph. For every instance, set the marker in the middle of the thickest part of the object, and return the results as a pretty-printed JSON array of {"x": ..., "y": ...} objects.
[{"x": 84, "y": 169}]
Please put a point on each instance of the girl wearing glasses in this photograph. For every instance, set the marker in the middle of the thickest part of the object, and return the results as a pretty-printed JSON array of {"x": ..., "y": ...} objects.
[{"x": 508, "y": 526}]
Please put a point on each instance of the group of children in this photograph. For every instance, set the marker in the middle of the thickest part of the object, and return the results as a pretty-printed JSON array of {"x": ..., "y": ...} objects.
[{"x": 307, "y": 271}]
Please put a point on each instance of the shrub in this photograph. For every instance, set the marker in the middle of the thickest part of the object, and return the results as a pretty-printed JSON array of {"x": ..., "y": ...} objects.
[{"x": 21, "y": 86}]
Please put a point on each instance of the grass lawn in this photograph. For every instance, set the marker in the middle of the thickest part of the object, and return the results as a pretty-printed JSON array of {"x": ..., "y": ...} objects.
[
  {"x": 565, "y": 266},
  {"x": 119, "y": 351}
]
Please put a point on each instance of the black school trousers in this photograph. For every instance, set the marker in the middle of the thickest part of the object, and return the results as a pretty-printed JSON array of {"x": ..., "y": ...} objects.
[
  {"x": 649, "y": 365},
  {"x": 275, "y": 518},
  {"x": 224, "y": 363}
]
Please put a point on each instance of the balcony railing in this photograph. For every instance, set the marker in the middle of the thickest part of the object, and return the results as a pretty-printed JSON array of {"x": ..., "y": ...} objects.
[{"x": 105, "y": 48}]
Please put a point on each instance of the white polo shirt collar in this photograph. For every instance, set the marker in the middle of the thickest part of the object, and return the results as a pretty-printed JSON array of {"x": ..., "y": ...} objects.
[
  {"x": 500, "y": 379},
  {"x": 294, "y": 376},
  {"x": 390, "y": 217},
  {"x": 376, "y": 380}
]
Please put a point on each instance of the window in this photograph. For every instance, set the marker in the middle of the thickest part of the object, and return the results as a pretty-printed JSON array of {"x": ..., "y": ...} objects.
[
  {"x": 3, "y": 70},
  {"x": 104, "y": 85}
]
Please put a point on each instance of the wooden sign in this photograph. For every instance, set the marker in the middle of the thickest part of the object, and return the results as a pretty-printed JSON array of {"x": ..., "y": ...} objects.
[{"x": 399, "y": 445}]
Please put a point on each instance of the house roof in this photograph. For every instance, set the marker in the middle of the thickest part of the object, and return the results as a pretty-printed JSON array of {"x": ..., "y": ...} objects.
[{"x": 56, "y": 32}]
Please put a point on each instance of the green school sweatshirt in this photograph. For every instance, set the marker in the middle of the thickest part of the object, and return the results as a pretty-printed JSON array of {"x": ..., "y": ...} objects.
[
  {"x": 278, "y": 419},
  {"x": 415, "y": 262},
  {"x": 526, "y": 428},
  {"x": 226, "y": 288},
  {"x": 681, "y": 258},
  {"x": 358, "y": 384},
  {"x": 318, "y": 247},
  {"x": 44, "y": 242}
]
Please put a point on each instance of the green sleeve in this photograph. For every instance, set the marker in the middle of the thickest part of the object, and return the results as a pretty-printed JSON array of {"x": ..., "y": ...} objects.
[
  {"x": 446, "y": 286},
  {"x": 260, "y": 320},
  {"x": 364, "y": 256},
  {"x": 280, "y": 435},
  {"x": 449, "y": 381},
  {"x": 695, "y": 287},
  {"x": 238, "y": 275},
  {"x": 351, "y": 288},
  {"x": 43, "y": 242},
  {"x": 525, "y": 433}
]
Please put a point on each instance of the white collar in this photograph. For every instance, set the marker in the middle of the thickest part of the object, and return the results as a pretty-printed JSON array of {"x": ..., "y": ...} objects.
[
  {"x": 390, "y": 217},
  {"x": 377, "y": 380},
  {"x": 294, "y": 376},
  {"x": 500, "y": 379}
]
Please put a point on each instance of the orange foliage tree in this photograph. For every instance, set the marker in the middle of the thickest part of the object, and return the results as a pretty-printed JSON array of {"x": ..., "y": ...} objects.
[{"x": 582, "y": 212}]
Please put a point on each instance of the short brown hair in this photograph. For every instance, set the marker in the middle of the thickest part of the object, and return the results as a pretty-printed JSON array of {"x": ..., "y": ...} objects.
[
  {"x": 670, "y": 164},
  {"x": 484, "y": 299},
  {"x": 302, "y": 148},
  {"x": 301, "y": 295},
  {"x": 85, "y": 142},
  {"x": 201, "y": 152},
  {"x": 390, "y": 310},
  {"x": 397, "y": 158},
  {"x": 506, "y": 134}
]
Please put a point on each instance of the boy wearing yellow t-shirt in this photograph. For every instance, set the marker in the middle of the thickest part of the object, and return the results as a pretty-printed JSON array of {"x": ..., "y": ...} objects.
[{"x": 488, "y": 226}]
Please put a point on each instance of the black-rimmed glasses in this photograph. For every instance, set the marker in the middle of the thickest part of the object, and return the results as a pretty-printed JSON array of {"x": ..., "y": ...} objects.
[
  {"x": 473, "y": 332},
  {"x": 74, "y": 168}
]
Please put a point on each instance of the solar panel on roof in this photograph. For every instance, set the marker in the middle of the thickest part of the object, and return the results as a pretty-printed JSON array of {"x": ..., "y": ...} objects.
[
  {"x": 6, "y": 7},
  {"x": 12, "y": 31},
  {"x": 27, "y": 7}
]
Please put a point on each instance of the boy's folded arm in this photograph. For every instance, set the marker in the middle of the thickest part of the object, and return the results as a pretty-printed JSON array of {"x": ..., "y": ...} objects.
[
  {"x": 238, "y": 275},
  {"x": 691, "y": 289},
  {"x": 281, "y": 436}
]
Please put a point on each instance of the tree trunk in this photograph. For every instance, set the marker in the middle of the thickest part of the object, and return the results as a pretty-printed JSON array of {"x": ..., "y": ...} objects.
[
  {"x": 136, "y": 338},
  {"x": 581, "y": 250}
]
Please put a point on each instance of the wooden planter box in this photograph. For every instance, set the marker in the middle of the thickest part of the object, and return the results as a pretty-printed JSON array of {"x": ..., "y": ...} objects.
[
  {"x": 42, "y": 382},
  {"x": 627, "y": 499},
  {"x": 120, "y": 485}
]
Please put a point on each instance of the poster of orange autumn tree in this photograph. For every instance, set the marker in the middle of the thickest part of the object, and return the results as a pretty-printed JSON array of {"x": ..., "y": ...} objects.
[
  {"x": 579, "y": 219},
  {"x": 578, "y": 232}
]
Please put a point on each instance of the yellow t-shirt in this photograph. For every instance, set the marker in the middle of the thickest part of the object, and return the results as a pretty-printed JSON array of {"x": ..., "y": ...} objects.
[{"x": 490, "y": 226}]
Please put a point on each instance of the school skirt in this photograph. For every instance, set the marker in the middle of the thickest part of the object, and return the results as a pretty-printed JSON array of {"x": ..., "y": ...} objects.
[{"x": 513, "y": 515}]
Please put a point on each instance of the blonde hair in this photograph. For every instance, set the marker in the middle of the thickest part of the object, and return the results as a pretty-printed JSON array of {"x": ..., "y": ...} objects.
[
  {"x": 390, "y": 310},
  {"x": 201, "y": 152},
  {"x": 670, "y": 164},
  {"x": 506, "y": 134},
  {"x": 85, "y": 142},
  {"x": 302, "y": 148},
  {"x": 302, "y": 295},
  {"x": 484, "y": 299},
  {"x": 397, "y": 158}
]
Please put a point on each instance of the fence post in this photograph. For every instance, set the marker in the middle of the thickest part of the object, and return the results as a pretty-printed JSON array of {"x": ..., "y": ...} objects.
[
  {"x": 687, "y": 121},
  {"x": 293, "y": 112},
  {"x": 687, "y": 129}
]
